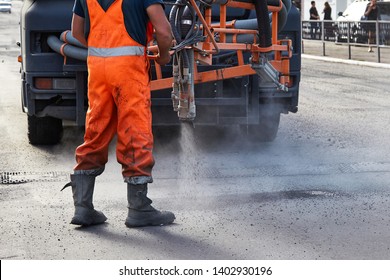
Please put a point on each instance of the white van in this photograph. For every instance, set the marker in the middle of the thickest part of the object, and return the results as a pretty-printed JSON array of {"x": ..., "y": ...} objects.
[
  {"x": 351, "y": 18},
  {"x": 356, "y": 9}
]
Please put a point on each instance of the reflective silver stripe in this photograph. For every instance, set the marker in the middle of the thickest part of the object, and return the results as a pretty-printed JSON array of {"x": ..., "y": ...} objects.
[{"x": 120, "y": 51}]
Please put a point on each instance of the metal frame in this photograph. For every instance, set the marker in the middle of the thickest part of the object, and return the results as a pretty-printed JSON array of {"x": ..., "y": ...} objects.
[{"x": 204, "y": 51}]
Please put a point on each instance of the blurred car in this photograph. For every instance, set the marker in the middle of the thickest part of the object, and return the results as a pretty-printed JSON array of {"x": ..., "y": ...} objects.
[{"x": 5, "y": 6}]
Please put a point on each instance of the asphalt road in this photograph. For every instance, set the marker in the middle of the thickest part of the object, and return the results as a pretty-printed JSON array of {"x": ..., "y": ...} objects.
[{"x": 319, "y": 191}]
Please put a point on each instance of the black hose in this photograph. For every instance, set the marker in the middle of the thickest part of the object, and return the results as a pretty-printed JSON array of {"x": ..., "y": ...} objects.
[
  {"x": 189, "y": 33},
  {"x": 175, "y": 18},
  {"x": 178, "y": 18},
  {"x": 188, "y": 14},
  {"x": 263, "y": 23},
  {"x": 172, "y": 21}
]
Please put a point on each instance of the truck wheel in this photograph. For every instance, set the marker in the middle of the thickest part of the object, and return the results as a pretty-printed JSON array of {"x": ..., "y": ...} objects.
[
  {"x": 266, "y": 130},
  {"x": 44, "y": 131}
]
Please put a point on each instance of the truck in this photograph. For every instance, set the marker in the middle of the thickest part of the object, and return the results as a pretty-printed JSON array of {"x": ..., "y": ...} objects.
[{"x": 235, "y": 63}]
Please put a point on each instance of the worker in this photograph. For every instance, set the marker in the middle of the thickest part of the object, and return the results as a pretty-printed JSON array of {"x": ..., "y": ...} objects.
[{"x": 116, "y": 33}]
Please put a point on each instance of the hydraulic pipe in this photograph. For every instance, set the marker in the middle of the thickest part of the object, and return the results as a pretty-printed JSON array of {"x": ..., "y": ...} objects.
[
  {"x": 173, "y": 21},
  {"x": 205, "y": 25},
  {"x": 67, "y": 37},
  {"x": 263, "y": 23},
  {"x": 67, "y": 50}
]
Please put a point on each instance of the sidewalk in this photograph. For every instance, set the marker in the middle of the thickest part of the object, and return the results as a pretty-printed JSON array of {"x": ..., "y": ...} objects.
[{"x": 332, "y": 50}]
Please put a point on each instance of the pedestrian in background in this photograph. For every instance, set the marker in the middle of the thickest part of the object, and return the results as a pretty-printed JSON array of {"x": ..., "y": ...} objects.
[
  {"x": 313, "y": 16},
  {"x": 371, "y": 13},
  {"x": 327, "y": 11},
  {"x": 116, "y": 33}
]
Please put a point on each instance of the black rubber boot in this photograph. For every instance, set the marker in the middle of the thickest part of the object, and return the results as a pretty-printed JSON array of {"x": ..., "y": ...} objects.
[
  {"x": 141, "y": 212},
  {"x": 82, "y": 188}
]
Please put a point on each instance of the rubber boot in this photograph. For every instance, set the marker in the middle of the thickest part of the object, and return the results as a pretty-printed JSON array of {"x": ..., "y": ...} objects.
[
  {"x": 141, "y": 212},
  {"x": 82, "y": 188}
]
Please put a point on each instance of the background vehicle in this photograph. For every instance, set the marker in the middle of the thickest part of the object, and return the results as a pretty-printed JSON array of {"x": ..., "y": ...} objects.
[
  {"x": 5, "y": 6},
  {"x": 351, "y": 19},
  {"x": 54, "y": 88}
]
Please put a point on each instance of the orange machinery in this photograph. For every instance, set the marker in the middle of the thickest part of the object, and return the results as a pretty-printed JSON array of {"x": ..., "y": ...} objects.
[{"x": 214, "y": 41}]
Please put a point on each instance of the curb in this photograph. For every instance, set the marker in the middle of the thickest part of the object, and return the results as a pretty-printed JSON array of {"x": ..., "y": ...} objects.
[{"x": 347, "y": 61}]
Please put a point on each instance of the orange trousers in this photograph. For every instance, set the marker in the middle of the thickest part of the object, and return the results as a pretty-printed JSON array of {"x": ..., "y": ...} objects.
[
  {"x": 119, "y": 98},
  {"x": 119, "y": 103}
]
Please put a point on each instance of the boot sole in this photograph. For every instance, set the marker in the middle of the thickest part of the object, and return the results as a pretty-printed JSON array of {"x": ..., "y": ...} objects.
[
  {"x": 132, "y": 223},
  {"x": 82, "y": 222},
  {"x": 94, "y": 218}
]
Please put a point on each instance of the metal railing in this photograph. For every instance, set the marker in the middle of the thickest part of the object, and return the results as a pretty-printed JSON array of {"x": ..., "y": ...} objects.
[{"x": 352, "y": 33}]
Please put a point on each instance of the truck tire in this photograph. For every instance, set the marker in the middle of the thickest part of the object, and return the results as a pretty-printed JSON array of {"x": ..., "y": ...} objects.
[
  {"x": 266, "y": 130},
  {"x": 44, "y": 131}
]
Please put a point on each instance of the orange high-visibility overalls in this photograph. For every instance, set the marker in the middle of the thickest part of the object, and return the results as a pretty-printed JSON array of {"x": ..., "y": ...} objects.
[{"x": 119, "y": 98}]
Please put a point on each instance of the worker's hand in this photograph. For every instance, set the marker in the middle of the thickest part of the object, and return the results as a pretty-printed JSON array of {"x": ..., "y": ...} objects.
[{"x": 162, "y": 60}]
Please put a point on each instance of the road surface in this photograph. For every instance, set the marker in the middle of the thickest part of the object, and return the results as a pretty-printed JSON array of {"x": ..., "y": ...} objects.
[{"x": 320, "y": 191}]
